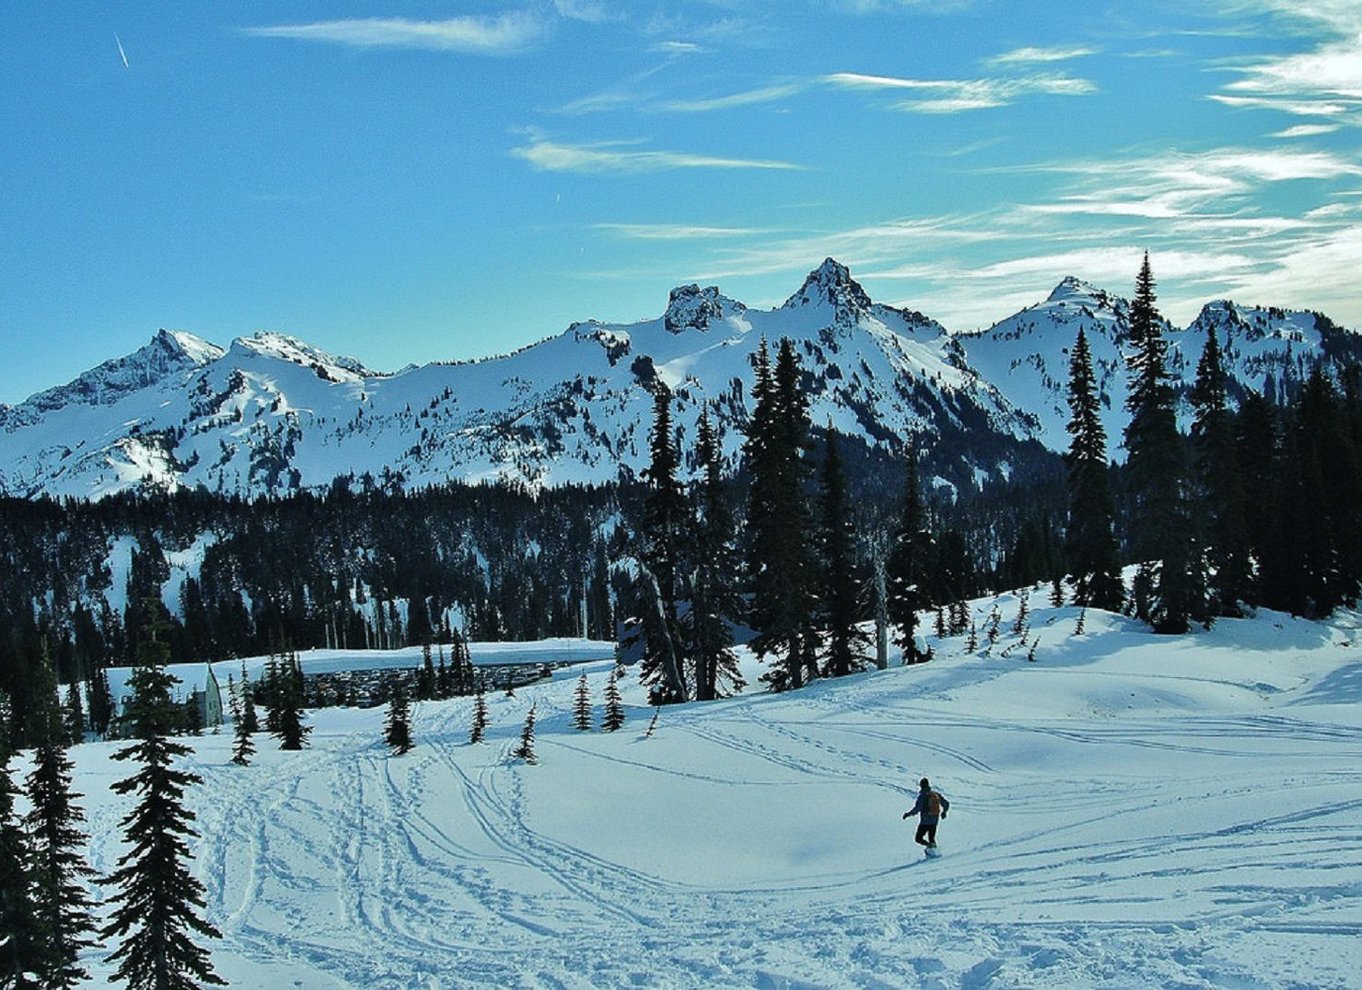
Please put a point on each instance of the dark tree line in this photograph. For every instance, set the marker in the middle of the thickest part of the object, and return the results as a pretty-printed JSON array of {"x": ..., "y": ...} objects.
[{"x": 1259, "y": 505}]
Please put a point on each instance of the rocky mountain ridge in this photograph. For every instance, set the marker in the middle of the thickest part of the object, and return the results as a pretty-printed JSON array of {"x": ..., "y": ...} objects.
[{"x": 270, "y": 414}]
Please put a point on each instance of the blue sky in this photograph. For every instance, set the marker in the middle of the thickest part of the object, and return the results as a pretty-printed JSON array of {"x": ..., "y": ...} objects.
[{"x": 435, "y": 181}]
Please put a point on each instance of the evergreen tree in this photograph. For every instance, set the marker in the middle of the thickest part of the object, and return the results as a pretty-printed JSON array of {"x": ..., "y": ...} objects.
[
  {"x": 193, "y": 715},
  {"x": 780, "y": 560},
  {"x": 1258, "y": 445},
  {"x": 444, "y": 680},
  {"x": 426, "y": 682},
  {"x": 613, "y": 717},
  {"x": 158, "y": 898},
  {"x": 1161, "y": 537},
  {"x": 62, "y": 908},
  {"x": 243, "y": 746},
  {"x": 838, "y": 598},
  {"x": 1324, "y": 467},
  {"x": 581, "y": 706},
  {"x": 1090, "y": 541},
  {"x": 101, "y": 702},
  {"x": 397, "y": 728},
  {"x": 271, "y": 695},
  {"x": 715, "y": 598},
  {"x": 1219, "y": 495},
  {"x": 249, "y": 719},
  {"x": 662, "y": 668},
  {"x": 525, "y": 750},
  {"x": 600, "y": 614},
  {"x": 906, "y": 567},
  {"x": 22, "y": 941},
  {"x": 478, "y": 731},
  {"x": 291, "y": 732},
  {"x": 73, "y": 715}
]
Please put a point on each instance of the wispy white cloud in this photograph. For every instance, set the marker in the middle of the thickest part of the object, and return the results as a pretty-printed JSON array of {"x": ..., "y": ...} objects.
[
  {"x": 553, "y": 156},
  {"x": 1168, "y": 186},
  {"x": 677, "y": 48},
  {"x": 958, "y": 95},
  {"x": 1325, "y": 79},
  {"x": 591, "y": 11},
  {"x": 1306, "y": 130},
  {"x": 1031, "y": 56},
  {"x": 503, "y": 34},
  {"x": 1300, "y": 108},
  {"x": 752, "y": 97},
  {"x": 676, "y": 232}
]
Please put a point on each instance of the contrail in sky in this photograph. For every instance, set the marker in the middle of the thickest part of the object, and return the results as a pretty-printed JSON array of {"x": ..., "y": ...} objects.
[{"x": 121, "y": 52}]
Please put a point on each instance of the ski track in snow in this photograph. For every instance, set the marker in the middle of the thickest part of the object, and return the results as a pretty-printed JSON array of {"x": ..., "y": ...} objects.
[{"x": 1158, "y": 849}]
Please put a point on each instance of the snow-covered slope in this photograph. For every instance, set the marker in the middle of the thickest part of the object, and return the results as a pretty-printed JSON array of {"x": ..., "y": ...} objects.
[
  {"x": 1126, "y": 811},
  {"x": 271, "y": 414}
]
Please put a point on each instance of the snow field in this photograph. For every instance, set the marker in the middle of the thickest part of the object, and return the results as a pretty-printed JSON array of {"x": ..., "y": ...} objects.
[{"x": 1128, "y": 811}]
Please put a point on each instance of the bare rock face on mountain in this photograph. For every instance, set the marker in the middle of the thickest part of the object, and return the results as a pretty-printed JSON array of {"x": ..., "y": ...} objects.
[{"x": 271, "y": 414}]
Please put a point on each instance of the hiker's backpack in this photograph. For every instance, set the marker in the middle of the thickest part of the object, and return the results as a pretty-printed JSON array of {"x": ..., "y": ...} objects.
[{"x": 933, "y": 804}]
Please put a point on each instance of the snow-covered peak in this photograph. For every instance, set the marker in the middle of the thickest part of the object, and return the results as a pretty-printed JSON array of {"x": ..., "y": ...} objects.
[
  {"x": 1251, "y": 324},
  {"x": 271, "y": 344},
  {"x": 690, "y": 307},
  {"x": 169, "y": 353},
  {"x": 194, "y": 349},
  {"x": 1074, "y": 289},
  {"x": 831, "y": 284}
]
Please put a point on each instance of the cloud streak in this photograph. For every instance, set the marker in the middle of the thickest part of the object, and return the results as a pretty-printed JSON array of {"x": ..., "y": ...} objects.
[
  {"x": 753, "y": 97},
  {"x": 1032, "y": 56},
  {"x": 946, "y": 96},
  {"x": 618, "y": 157},
  {"x": 504, "y": 34},
  {"x": 1325, "y": 80}
]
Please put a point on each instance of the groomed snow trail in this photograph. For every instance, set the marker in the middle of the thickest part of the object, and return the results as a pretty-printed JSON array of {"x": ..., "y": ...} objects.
[{"x": 1128, "y": 811}]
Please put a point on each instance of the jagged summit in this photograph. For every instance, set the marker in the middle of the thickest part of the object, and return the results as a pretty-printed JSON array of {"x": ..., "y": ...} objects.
[
  {"x": 831, "y": 283},
  {"x": 168, "y": 353},
  {"x": 690, "y": 307}
]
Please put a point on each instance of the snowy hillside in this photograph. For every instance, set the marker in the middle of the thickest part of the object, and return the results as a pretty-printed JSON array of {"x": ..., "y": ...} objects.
[
  {"x": 1126, "y": 811},
  {"x": 271, "y": 414}
]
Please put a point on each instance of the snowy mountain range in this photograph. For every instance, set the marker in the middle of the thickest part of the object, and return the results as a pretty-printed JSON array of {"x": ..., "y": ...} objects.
[{"x": 271, "y": 414}]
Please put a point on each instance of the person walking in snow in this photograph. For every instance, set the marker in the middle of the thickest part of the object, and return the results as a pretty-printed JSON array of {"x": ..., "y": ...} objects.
[{"x": 932, "y": 807}]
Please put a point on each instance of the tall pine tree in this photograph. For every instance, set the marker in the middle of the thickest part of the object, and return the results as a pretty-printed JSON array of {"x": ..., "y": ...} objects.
[
  {"x": 22, "y": 956},
  {"x": 838, "y": 592},
  {"x": 61, "y": 905},
  {"x": 663, "y": 666},
  {"x": 243, "y": 746},
  {"x": 779, "y": 557},
  {"x": 288, "y": 691},
  {"x": 158, "y": 900},
  {"x": 1090, "y": 541},
  {"x": 714, "y": 594},
  {"x": 1166, "y": 587},
  {"x": 1219, "y": 492},
  {"x": 907, "y": 567}
]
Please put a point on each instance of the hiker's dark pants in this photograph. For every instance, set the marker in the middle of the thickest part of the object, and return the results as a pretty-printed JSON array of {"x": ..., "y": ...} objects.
[{"x": 927, "y": 828}]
